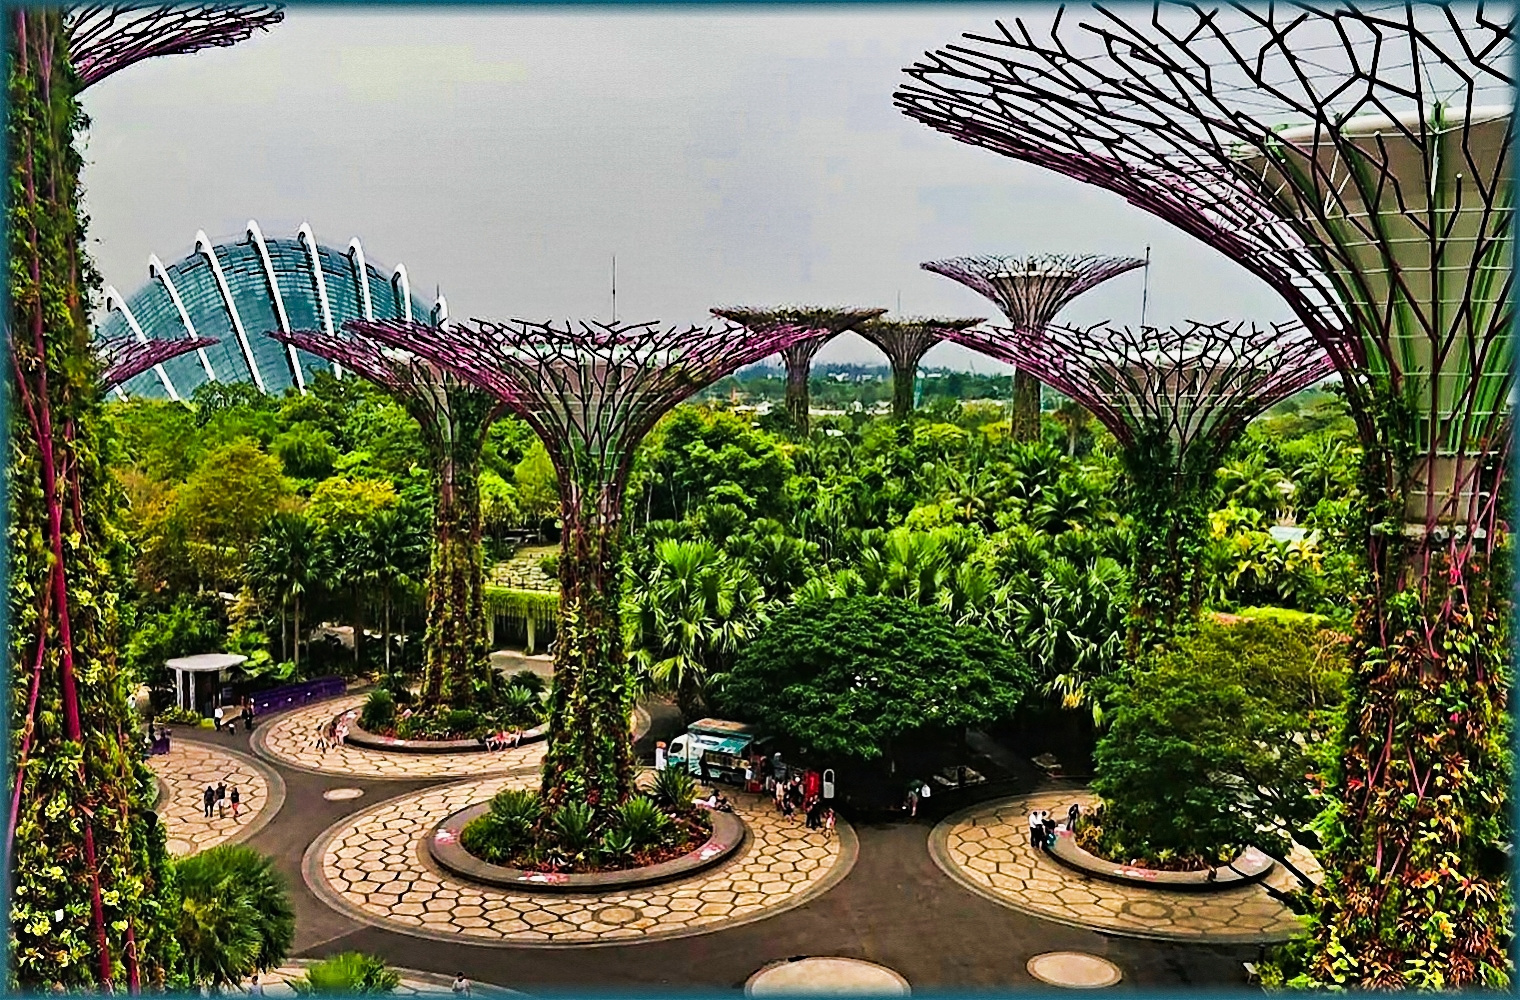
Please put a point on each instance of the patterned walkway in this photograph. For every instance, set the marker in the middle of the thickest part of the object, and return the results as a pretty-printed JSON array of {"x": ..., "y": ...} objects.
[
  {"x": 986, "y": 849},
  {"x": 187, "y": 769},
  {"x": 291, "y": 739},
  {"x": 369, "y": 866}
]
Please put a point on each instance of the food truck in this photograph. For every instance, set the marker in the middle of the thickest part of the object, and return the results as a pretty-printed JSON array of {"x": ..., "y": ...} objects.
[{"x": 725, "y": 744}]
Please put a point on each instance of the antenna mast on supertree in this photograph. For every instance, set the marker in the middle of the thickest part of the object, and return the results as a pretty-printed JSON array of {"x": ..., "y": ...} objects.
[
  {"x": 1358, "y": 162},
  {"x": 821, "y": 324},
  {"x": 125, "y": 358},
  {"x": 1031, "y": 291},
  {"x": 104, "y": 39},
  {"x": 1175, "y": 400},
  {"x": 591, "y": 391},
  {"x": 454, "y": 417},
  {"x": 905, "y": 342}
]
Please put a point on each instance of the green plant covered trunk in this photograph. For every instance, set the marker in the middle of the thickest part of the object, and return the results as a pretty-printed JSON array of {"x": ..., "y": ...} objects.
[
  {"x": 1026, "y": 406},
  {"x": 904, "y": 375},
  {"x": 88, "y": 867},
  {"x": 1415, "y": 893},
  {"x": 798, "y": 402},
  {"x": 1168, "y": 513},
  {"x": 456, "y": 663},
  {"x": 590, "y": 753}
]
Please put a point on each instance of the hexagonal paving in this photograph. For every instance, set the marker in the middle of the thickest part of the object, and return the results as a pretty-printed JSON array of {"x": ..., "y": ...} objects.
[
  {"x": 986, "y": 849},
  {"x": 186, "y": 770},
  {"x": 292, "y": 740},
  {"x": 370, "y": 866}
]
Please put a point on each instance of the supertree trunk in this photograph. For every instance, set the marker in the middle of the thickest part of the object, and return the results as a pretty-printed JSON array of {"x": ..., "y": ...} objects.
[
  {"x": 456, "y": 668},
  {"x": 86, "y": 869},
  {"x": 1168, "y": 508},
  {"x": 799, "y": 365},
  {"x": 1026, "y": 406},
  {"x": 905, "y": 342},
  {"x": 904, "y": 377}
]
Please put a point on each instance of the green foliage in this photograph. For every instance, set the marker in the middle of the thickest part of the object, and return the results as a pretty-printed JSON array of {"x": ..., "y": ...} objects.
[
  {"x": 379, "y": 711},
  {"x": 187, "y": 628},
  {"x": 234, "y": 916},
  {"x": 537, "y": 483},
  {"x": 505, "y": 828},
  {"x": 224, "y": 507},
  {"x": 846, "y": 677},
  {"x": 549, "y": 565},
  {"x": 641, "y": 821},
  {"x": 529, "y": 681},
  {"x": 305, "y": 452},
  {"x": 349, "y": 974},
  {"x": 573, "y": 825},
  {"x": 537, "y": 605},
  {"x": 675, "y": 789}
]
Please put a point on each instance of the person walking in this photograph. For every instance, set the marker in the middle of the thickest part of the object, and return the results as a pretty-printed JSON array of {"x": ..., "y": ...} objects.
[
  {"x": 1036, "y": 828},
  {"x": 461, "y": 986},
  {"x": 912, "y": 802},
  {"x": 1048, "y": 828},
  {"x": 221, "y": 798},
  {"x": 208, "y": 799},
  {"x": 828, "y": 821},
  {"x": 237, "y": 801},
  {"x": 217, "y": 715},
  {"x": 1072, "y": 816}
]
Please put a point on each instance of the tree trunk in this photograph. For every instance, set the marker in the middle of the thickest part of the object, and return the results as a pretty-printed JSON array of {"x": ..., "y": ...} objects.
[
  {"x": 798, "y": 402},
  {"x": 455, "y": 660},
  {"x": 296, "y": 645},
  {"x": 1026, "y": 406},
  {"x": 903, "y": 377}
]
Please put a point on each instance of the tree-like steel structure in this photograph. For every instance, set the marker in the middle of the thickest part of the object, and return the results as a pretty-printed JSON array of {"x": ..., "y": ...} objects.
[
  {"x": 87, "y": 863},
  {"x": 104, "y": 39},
  {"x": 905, "y": 342},
  {"x": 1358, "y": 162},
  {"x": 591, "y": 391},
  {"x": 1175, "y": 399},
  {"x": 821, "y": 324},
  {"x": 1031, "y": 291},
  {"x": 125, "y": 358},
  {"x": 454, "y": 417}
]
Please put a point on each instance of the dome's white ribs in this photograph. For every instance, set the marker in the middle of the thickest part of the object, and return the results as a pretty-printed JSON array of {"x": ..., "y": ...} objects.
[
  {"x": 157, "y": 270},
  {"x": 304, "y": 234},
  {"x": 361, "y": 275},
  {"x": 257, "y": 236},
  {"x": 204, "y": 247},
  {"x": 399, "y": 275},
  {"x": 115, "y": 303}
]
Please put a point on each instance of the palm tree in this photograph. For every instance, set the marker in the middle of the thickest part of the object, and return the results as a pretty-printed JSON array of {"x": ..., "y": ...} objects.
[
  {"x": 289, "y": 562},
  {"x": 234, "y": 917},
  {"x": 1072, "y": 625},
  {"x": 393, "y": 557}
]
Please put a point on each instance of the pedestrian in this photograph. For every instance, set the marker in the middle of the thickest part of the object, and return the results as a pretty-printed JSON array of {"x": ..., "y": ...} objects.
[
  {"x": 208, "y": 799},
  {"x": 749, "y": 775},
  {"x": 255, "y": 988},
  {"x": 1072, "y": 816},
  {"x": 461, "y": 986},
  {"x": 237, "y": 801},
  {"x": 322, "y": 738},
  {"x": 1048, "y": 826},
  {"x": 912, "y": 803},
  {"x": 217, "y": 715},
  {"x": 1036, "y": 828},
  {"x": 815, "y": 814},
  {"x": 221, "y": 798},
  {"x": 706, "y": 772}
]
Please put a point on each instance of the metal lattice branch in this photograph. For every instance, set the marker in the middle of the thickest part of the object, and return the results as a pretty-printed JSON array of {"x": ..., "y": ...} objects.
[
  {"x": 590, "y": 390},
  {"x": 106, "y": 39},
  {"x": 1030, "y": 291},
  {"x": 1356, "y": 161},
  {"x": 126, "y": 358},
  {"x": 905, "y": 342},
  {"x": 1197, "y": 386}
]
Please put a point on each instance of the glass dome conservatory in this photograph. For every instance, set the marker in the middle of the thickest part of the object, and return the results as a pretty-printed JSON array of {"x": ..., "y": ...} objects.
[{"x": 236, "y": 292}]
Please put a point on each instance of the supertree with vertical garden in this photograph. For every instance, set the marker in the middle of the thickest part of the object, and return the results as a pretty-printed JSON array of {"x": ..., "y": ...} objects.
[
  {"x": 1175, "y": 400},
  {"x": 85, "y": 859},
  {"x": 591, "y": 391},
  {"x": 1031, "y": 291},
  {"x": 1357, "y": 161},
  {"x": 454, "y": 418},
  {"x": 821, "y": 324},
  {"x": 905, "y": 342}
]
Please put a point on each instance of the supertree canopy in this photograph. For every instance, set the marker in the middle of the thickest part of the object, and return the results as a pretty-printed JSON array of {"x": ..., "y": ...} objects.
[
  {"x": 1031, "y": 291},
  {"x": 454, "y": 417},
  {"x": 1175, "y": 399},
  {"x": 104, "y": 39},
  {"x": 85, "y": 856},
  {"x": 591, "y": 391},
  {"x": 1357, "y": 161},
  {"x": 905, "y": 342},
  {"x": 823, "y": 325},
  {"x": 127, "y": 357}
]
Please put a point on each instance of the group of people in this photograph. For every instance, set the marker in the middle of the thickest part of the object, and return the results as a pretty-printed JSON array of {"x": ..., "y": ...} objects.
[
  {"x": 504, "y": 740},
  {"x": 218, "y": 797},
  {"x": 157, "y": 738},
  {"x": 1042, "y": 826},
  {"x": 332, "y": 733},
  {"x": 917, "y": 792},
  {"x": 795, "y": 790},
  {"x": 220, "y": 716}
]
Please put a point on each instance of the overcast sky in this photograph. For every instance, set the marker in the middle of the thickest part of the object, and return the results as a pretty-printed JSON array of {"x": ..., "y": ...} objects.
[{"x": 725, "y": 157}]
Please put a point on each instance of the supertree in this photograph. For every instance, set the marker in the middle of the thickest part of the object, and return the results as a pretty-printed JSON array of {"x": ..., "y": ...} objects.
[
  {"x": 822, "y": 325},
  {"x": 125, "y": 358},
  {"x": 454, "y": 417},
  {"x": 1357, "y": 161},
  {"x": 84, "y": 856},
  {"x": 104, "y": 39},
  {"x": 1031, "y": 291},
  {"x": 905, "y": 342},
  {"x": 1175, "y": 399},
  {"x": 591, "y": 391}
]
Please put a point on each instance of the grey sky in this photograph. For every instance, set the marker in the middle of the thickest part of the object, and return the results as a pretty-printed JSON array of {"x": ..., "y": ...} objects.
[{"x": 725, "y": 157}]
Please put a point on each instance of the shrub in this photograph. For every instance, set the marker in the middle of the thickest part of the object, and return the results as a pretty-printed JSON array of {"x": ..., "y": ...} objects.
[
  {"x": 675, "y": 789},
  {"x": 379, "y": 711},
  {"x": 642, "y": 821},
  {"x": 507, "y": 827},
  {"x": 573, "y": 823},
  {"x": 234, "y": 916},
  {"x": 518, "y": 806},
  {"x": 617, "y": 843},
  {"x": 350, "y": 974},
  {"x": 528, "y": 681},
  {"x": 180, "y": 716},
  {"x": 520, "y": 707},
  {"x": 460, "y": 720},
  {"x": 549, "y": 566}
]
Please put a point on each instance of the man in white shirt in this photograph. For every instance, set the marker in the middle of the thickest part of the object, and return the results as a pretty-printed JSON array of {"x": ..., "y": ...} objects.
[{"x": 1036, "y": 828}]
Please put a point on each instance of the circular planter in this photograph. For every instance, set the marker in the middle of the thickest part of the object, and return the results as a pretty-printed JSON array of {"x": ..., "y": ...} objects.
[
  {"x": 1249, "y": 867},
  {"x": 728, "y": 835},
  {"x": 360, "y": 737}
]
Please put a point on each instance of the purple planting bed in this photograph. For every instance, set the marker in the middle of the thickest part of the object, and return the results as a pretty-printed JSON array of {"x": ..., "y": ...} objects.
[
  {"x": 1249, "y": 867},
  {"x": 442, "y": 845}
]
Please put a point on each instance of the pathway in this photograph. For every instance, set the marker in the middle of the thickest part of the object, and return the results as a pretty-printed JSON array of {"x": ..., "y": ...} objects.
[{"x": 183, "y": 774}]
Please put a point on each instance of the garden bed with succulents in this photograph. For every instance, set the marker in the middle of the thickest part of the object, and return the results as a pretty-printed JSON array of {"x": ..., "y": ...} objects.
[
  {"x": 1183, "y": 873},
  {"x": 509, "y": 842}
]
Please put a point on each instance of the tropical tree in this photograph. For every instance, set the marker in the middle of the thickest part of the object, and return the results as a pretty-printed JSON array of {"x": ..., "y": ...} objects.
[
  {"x": 1070, "y": 622},
  {"x": 234, "y": 916},
  {"x": 289, "y": 564},
  {"x": 224, "y": 506}
]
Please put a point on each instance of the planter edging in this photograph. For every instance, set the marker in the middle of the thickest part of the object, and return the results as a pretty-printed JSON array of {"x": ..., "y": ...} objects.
[
  {"x": 360, "y": 737},
  {"x": 1248, "y": 868}
]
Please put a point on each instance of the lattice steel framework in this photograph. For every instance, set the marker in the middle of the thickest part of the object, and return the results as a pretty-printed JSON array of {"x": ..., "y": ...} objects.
[
  {"x": 591, "y": 391},
  {"x": 454, "y": 417},
  {"x": 905, "y": 342},
  {"x": 104, "y": 39},
  {"x": 1357, "y": 161},
  {"x": 1031, "y": 291},
  {"x": 126, "y": 358},
  {"x": 822, "y": 324}
]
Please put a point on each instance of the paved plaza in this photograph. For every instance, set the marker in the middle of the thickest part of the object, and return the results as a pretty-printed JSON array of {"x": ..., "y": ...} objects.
[
  {"x": 372, "y": 867},
  {"x": 183, "y": 774},
  {"x": 987, "y": 849}
]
